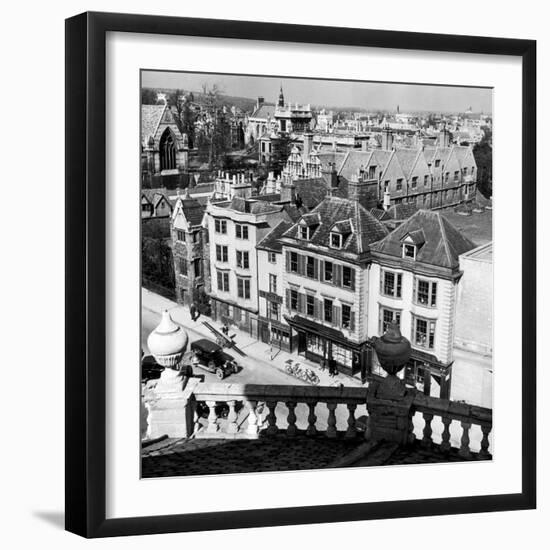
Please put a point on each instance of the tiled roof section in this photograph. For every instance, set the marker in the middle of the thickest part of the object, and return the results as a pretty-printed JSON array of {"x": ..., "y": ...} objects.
[
  {"x": 343, "y": 227},
  {"x": 155, "y": 195},
  {"x": 417, "y": 236},
  {"x": 253, "y": 206},
  {"x": 379, "y": 214},
  {"x": 443, "y": 243},
  {"x": 365, "y": 228},
  {"x": 294, "y": 212},
  {"x": 193, "y": 210},
  {"x": 271, "y": 240},
  {"x": 311, "y": 219},
  {"x": 150, "y": 119},
  {"x": 406, "y": 158},
  {"x": 401, "y": 211},
  {"x": 311, "y": 191},
  {"x": 333, "y": 157},
  {"x": 265, "y": 111},
  {"x": 353, "y": 162}
]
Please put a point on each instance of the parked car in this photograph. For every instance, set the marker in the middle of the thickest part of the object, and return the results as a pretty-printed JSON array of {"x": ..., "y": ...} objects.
[
  {"x": 209, "y": 356},
  {"x": 150, "y": 369}
]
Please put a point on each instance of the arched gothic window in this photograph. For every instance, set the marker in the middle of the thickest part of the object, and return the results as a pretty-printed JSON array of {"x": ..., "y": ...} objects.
[{"x": 167, "y": 149}]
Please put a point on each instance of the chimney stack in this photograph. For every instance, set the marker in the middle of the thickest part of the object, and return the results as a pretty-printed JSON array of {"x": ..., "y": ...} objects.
[
  {"x": 308, "y": 143},
  {"x": 387, "y": 139}
]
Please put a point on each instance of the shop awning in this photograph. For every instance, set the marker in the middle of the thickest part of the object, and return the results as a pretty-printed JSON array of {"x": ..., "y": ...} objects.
[{"x": 303, "y": 324}]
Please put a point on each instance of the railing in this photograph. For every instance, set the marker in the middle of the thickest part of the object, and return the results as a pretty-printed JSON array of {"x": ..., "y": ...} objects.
[
  {"x": 272, "y": 410},
  {"x": 452, "y": 414},
  {"x": 252, "y": 410}
]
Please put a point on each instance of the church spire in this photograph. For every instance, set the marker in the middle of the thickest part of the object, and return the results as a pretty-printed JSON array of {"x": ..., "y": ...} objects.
[{"x": 281, "y": 102}]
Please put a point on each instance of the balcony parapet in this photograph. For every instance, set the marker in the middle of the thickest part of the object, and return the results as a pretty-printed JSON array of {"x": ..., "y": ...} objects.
[{"x": 250, "y": 411}]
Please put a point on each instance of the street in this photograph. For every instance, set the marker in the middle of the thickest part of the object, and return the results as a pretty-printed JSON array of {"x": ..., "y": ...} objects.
[{"x": 259, "y": 369}]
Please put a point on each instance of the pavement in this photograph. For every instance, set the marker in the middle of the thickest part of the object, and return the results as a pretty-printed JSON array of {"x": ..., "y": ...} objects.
[{"x": 262, "y": 364}]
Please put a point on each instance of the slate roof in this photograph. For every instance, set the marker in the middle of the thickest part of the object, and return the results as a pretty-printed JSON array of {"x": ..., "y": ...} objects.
[
  {"x": 265, "y": 111},
  {"x": 311, "y": 190},
  {"x": 443, "y": 242},
  {"x": 401, "y": 211},
  {"x": 193, "y": 210},
  {"x": 271, "y": 240},
  {"x": 253, "y": 206},
  {"x": 379, "y": 214},
  {"x": 150, "y": 119},
  {"x": 155, "y": 195},
  {"x": 365, "y": 228}
]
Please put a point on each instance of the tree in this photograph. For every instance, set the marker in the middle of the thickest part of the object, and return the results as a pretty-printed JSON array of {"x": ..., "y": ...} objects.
[
  {"x": 148, "y": 96},
  {"x": 183, "y": 114},
  {"x": 282, "y": 145},
  {"x": 483, "y": 154},
  {"x": 214, "y": 139}
]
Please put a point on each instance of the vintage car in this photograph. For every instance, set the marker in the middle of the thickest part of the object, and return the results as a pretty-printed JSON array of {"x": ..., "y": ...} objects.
[
  {"x": 150, "y": 369},
  {"x": 209, "y": 356}
]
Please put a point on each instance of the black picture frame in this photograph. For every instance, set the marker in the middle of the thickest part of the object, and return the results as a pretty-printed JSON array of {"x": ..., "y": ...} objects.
[{"x": 86, "y": 283}]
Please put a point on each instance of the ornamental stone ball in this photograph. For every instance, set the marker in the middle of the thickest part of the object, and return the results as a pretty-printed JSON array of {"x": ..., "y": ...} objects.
[
  {"x": 167, "y": 342},
  {"x": 393, "y": 349}
]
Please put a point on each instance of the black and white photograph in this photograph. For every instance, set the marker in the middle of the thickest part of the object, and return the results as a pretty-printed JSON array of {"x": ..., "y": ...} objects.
[{"x": 316, "y": 273}]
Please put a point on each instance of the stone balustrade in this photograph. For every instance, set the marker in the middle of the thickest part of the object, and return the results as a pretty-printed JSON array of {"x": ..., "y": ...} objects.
[
  {"x": 468, "y": 417},
  {"x": 253, "y": 410}
]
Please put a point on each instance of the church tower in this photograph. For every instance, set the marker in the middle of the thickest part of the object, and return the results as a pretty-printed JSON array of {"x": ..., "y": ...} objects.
[{"x": 281, "y": 102}]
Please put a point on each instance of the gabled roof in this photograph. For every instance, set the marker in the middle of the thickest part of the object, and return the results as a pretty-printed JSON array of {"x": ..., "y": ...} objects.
[
  {"x": 443, "y": 243},
  {"x": 151, "y": 115},
  {"x": 265, "y": 111},
  {"x": 343, "y": 227},
  {"x": 365, "y": 229},
  {"x": 271, "y": 240},
  {"x": 416, "y": 237},
  {"x": 191, "y": 208}
]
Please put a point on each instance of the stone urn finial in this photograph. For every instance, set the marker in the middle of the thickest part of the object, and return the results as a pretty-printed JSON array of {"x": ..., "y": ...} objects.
[
  {"x": 393, "y": 349},
  {"x": 167, "y": 342}
]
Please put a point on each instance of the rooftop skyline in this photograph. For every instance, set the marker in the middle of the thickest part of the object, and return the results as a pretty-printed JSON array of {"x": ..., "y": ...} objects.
[{"x": 332, "y": 93}]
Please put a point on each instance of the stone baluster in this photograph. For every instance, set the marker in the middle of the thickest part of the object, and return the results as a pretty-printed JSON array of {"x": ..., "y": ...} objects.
[
  {"x": 232, "y": 426},
  {"x": 271, "y": 418},
  {"x": 291, "y": 430},
  {"x": 213, "y": 425},
  {"x": 331, "y": 421},
  {"x": 484, "y": 451},
  {"x": 446, "y": 434},
  {"x": 464, "y": 450},
  {"x": 351, "y": 432},
  {"x": 252, "y": 428},
  {"x": 427, "y": 432},
  {"x": 311, "y": 419}
]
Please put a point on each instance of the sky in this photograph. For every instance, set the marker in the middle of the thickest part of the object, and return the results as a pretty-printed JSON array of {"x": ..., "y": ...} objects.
[{"x": 331, "y": 93}]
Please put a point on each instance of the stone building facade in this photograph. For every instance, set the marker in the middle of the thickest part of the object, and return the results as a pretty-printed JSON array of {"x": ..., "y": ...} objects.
[{"x": 189, "y": 249}]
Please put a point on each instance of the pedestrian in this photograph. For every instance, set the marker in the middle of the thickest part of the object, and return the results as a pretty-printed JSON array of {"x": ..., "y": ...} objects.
[
  {"x": 225, "y": 329},
  {"x": 192, "y": 311}
]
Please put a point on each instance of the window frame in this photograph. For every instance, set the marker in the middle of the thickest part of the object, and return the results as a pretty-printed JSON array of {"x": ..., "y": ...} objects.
[
  {"x": 397, "y": 284},
  {"x": 240, "y": 230},
  {"x": 429, "y": 335},
  {"x": 431, "y": 301},
  {"x": 218, "y": 225}
]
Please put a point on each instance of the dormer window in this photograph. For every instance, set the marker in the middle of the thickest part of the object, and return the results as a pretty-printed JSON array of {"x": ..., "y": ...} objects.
[
  {"x": 411, "y": 244},
  {"x": 335, "y": 240},
  {"x": 305, "y": 233},
  {"x": 409, "y": 251}
]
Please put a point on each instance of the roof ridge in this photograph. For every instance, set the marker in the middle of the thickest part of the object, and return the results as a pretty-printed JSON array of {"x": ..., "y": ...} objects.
[{"x": 444, "y": 235}]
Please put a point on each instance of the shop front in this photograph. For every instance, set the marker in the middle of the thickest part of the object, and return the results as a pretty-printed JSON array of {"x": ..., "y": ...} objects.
[{"x": 329, "y": 346}]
